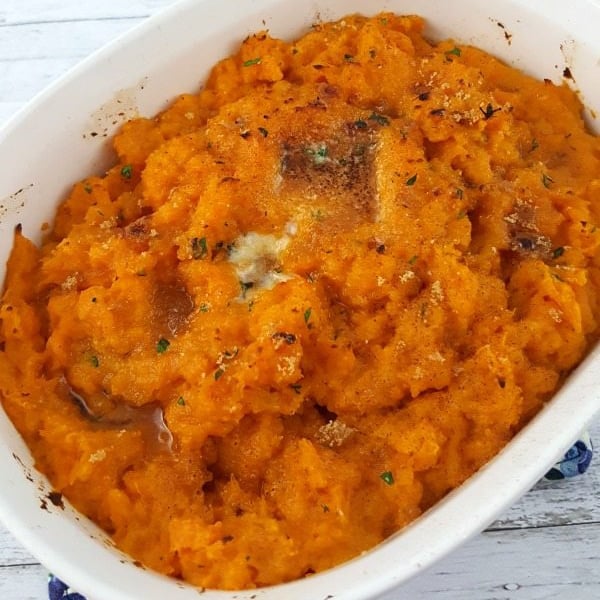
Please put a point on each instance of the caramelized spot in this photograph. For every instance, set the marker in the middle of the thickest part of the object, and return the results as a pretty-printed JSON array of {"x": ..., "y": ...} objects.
[
  {"x": 172, "y": 305},
  {"x": 338, "y": 167}
]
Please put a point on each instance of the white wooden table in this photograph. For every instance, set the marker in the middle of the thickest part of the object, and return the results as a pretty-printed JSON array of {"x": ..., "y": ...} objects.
[{"x": 546, "y": 547}]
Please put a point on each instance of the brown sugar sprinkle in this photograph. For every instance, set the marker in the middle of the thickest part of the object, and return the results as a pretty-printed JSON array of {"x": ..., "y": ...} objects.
[{"x": 334, "y": 433}]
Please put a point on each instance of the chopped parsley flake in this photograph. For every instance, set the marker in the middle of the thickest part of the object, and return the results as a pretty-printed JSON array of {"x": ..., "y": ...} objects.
[
  {"x": 411, "y": 180},
  {"x": 87, "y": 188},
  {"x": 296, "y": 387},
  {"x": 181, "y": 401},
  {"x": 199, "y": 248},
  {"x": 348, "y": 57},
  {"x": 379, "y": 119},
  {"x": 534, "y": 145},
  {"x": 319, "y": 153},
  {"x": 252, "y": 61},
  {"x": 264, "y": 132},
  {"x": 95, "y": 362},
  {"x": 455, "y": 51},
  {"x": 547, "y": 180},
  {"x": 558, "y": 252},
  {"x": 218, "y": 373},
  {"x": 387, "y": 477},
  {"x": 162, "y": 345},
  {"x": 204, "y": 308},
  {"x": 413, "y": 259},
  {"x": 360, "y": 124},
  {"x": 307, "y": 314},
  {"x": 325, "y": 508},
  {"x": 127, "y": 171},
  {"x": 459, "y": 193}
]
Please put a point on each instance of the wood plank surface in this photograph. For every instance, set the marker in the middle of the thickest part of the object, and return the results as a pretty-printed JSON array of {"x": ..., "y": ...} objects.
[{"x": 545, "y": 547}]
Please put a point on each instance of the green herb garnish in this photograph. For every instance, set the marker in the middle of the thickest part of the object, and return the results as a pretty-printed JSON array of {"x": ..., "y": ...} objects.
[
  {"x": 252, "y": 61},
  {"x": 455, "y": 51},
  {"x": 558, "y": 252},
  {"x": 411, "y": 180},
  {"x": 296, "y": 387},
  {"x": 348, "y": 57},
  {"x": 459, "y": 193},
  {"x": 204, "y": 308},
  {"x": 199, "y": 248},
  {"x": 319, "y": 153},
  {"x": 127, "y": 171},
  {"x": 360, "y": 124},
  {"x": 413, "y": 259},
  {"x": 87, "y": 188},
  {"x": 181, "y": 401},
  {"x": 307, "y": 314},
  {"x": 95, "y": 362},
  {"x": 264, "y": 132},
  {"x": 534, "y": 145},
  {"x": 218, "y": 373},
  {"x": 547, "y": 180},
  {"x": 379, "y": 119},
  {"x": 387, "y": 477},
  {"x": 162, "y": 345}
]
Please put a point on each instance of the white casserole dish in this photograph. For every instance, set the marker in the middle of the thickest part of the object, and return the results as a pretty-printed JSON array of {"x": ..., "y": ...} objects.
[{"x": 51, "y": 143}]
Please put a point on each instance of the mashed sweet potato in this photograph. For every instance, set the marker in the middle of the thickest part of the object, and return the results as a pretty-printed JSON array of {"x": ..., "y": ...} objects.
[{"x": 307, "y": 302}]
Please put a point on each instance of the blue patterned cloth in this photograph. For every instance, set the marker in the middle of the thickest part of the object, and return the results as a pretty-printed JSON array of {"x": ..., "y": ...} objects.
[
  {"x": 575, "y": 462},
  {"x": 57, "y": 590}
]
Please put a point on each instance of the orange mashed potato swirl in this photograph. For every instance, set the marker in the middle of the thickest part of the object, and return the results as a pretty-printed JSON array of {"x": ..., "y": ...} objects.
[{"x": 307, "y": 302}]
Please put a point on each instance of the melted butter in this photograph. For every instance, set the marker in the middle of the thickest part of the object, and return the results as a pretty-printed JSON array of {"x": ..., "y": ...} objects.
[
  {"x": 257, "y": 262},
  {"x": 148, "y": 419}
]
